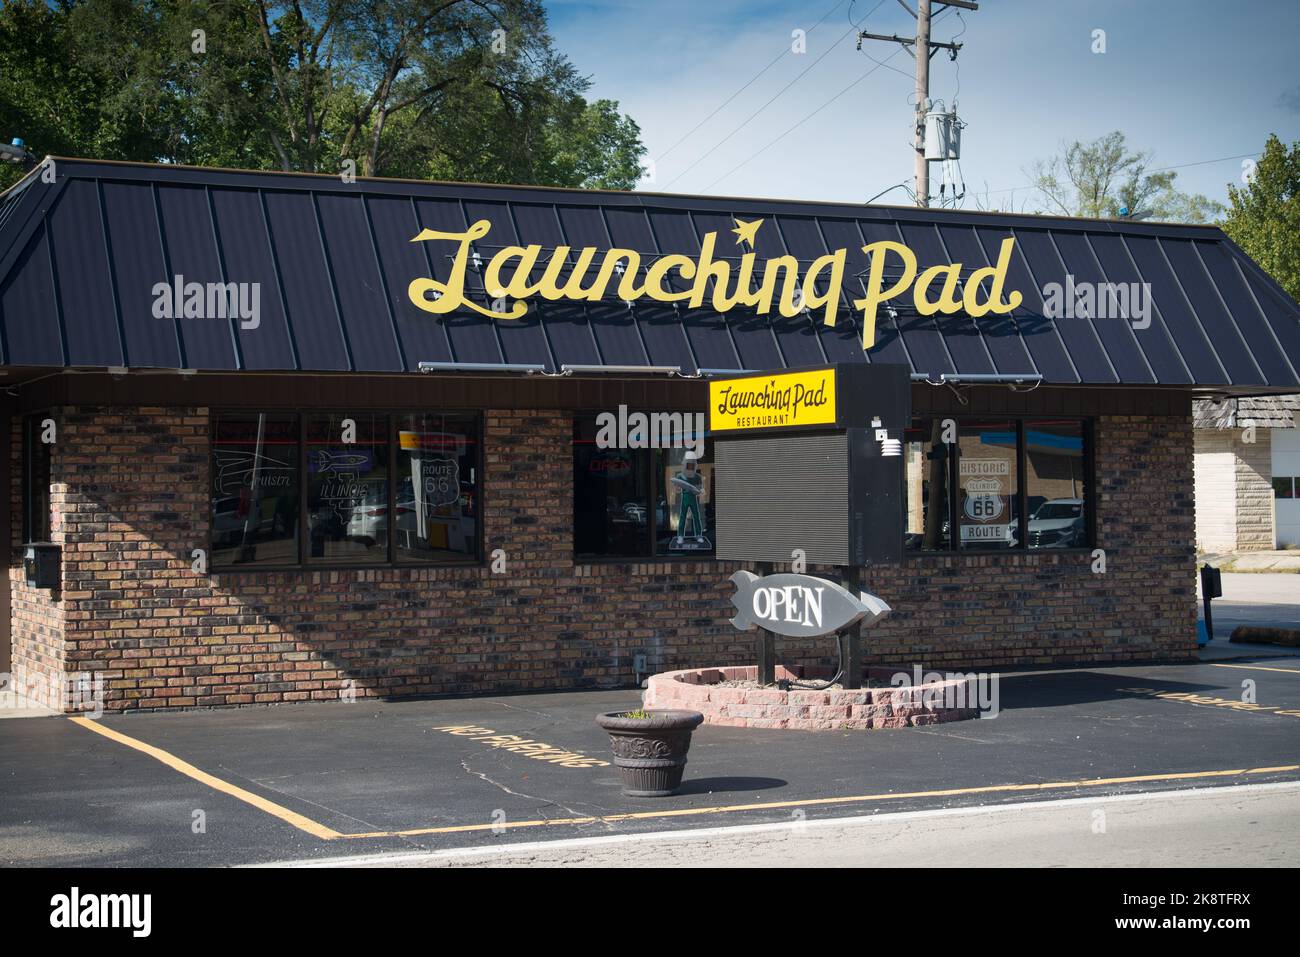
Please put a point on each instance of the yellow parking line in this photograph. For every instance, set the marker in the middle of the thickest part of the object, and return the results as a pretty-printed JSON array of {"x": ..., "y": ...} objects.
[
  {"x": 225, "y": 787},
  {"x": 325, "y": 833},
  {"x": 1292, "y": 671},
  {"x": 811, "y": 802}
]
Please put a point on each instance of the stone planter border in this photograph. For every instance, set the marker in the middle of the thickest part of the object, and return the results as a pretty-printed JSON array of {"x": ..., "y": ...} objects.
[{"x": 805, "y": 710}]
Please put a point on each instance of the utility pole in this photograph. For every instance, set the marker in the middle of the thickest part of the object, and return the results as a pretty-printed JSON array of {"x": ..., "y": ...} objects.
[
  {"x": 922, "y": 100},
  {"x": 921, "y": 49}
]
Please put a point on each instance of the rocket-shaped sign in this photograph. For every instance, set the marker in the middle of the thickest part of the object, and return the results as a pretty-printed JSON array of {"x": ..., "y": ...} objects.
[{"x": 800, "y": 606}]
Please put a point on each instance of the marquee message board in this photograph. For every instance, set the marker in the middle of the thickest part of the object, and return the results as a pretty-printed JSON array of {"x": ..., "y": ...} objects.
[{"x": 811, "y": 459}]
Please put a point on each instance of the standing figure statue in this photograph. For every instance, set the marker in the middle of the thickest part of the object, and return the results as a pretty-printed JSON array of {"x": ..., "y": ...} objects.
[{"x": 689, "y": 483}]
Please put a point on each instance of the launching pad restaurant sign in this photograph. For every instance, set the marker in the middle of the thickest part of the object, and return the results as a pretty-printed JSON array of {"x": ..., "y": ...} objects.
[
  {"x": 782, "y": 400},
  {"x": 509, "y": 278}
]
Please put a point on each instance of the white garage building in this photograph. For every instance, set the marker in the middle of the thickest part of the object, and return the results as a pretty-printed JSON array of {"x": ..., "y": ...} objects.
[{"x": 1247, "y": 473}]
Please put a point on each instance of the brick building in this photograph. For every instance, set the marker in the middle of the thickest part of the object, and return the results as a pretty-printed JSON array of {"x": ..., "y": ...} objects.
[{"x": 323, "y": 487}]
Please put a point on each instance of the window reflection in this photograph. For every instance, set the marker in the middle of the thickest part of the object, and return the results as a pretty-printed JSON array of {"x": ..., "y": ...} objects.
[
  {"x": 347, "y": 489},
  {"x": 638, "y": 502},
  {"x": 436, "y": 504},
  {"x": 611, "y": 497},
  {"x": 928, "y": 460},
  {"x": 987, "y": 492},
  {"x": 255, "y": 489},
  {"x": 1056, "y": 483}
]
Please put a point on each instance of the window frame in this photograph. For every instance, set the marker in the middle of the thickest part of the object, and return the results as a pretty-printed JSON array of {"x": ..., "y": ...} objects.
[
  {"x": 954, "y": 549},
  {"x": 653, "y": 487},
  {"x": 390, "y": 561},
  {"x": 30, "y": 443}
]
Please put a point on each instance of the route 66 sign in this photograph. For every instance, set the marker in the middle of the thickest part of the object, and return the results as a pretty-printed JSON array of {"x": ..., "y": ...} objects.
[
  {"x": 441, "y": 480},
  {"x": 983, "y": 503}
]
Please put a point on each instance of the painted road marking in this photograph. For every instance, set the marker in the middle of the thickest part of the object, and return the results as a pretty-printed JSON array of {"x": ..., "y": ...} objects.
[
  {"x": 1210, "y": 701},
  {"x": 328, "y": 834},
  {"x": 1292, "y": 671},
  {"x": 225, "y": 787},
  {"x": 537, "y": 750}
]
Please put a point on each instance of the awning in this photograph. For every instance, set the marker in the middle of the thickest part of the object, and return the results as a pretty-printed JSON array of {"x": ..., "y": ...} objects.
[{"x": 81, "y": 259}]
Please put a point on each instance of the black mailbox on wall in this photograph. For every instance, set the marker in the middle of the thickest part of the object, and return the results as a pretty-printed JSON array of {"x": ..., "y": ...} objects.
[
  {"x": 41, "y": 564},
  {"x": 811, "y": 459}
]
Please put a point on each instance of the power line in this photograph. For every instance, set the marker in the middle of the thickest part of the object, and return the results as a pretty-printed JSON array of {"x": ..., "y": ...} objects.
[
  {"x": 1162, "y": 169},
  {"x": 752, "y": 79},
  {"x": 769, "y": 102},
  {"x": 754, "y": 156},
  {"x": 771, "y": 143}
]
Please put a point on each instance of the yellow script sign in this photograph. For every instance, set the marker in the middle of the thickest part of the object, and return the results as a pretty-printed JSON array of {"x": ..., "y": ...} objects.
[
  {"x": 772, "y": 401},
  {"x": 509, "y": 276}
]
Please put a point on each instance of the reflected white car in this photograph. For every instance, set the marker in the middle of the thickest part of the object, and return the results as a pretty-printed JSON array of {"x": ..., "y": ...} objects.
[{"x": 1057, "y": 523}]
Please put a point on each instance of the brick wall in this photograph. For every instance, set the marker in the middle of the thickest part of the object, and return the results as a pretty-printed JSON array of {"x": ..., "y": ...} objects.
[
  {"x": 133, "y": 503},
  {"x": 37, "y": 656}
]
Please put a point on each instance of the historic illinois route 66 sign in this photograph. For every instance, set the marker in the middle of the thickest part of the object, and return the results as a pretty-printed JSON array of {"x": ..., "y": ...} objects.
[
  {"x": 984, "y": 503},
  {"x": 800, "y": 606},
  {"x": 985, "y": 508}
]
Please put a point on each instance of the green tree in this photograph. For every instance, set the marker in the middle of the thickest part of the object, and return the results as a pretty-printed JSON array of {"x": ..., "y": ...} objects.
[
  {"x": 458, "y": 89},
  {"x": 1103, "y": 177},
  {"x": 1264, "y": 215},
  {"x": 63, "y": 91}
]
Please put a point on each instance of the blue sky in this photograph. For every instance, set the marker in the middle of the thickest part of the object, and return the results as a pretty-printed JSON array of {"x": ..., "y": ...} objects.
[{"x": 1191, "y": 80}]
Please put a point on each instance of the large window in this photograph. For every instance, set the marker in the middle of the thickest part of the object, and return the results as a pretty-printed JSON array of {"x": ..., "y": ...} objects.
[
  {"x": 436, "y": 482},
  {"x": 368, "y": 489},
  {"x": 641, "y": 502},
  {"x": 1057, "y": 484},
  {"x": 988, "y": 472},
  {"x": 347, "y": 489},
  {"x": 36, "y": 480},
  {"x": 256, "y": 489},
  {"x": 988, "y": 493}
]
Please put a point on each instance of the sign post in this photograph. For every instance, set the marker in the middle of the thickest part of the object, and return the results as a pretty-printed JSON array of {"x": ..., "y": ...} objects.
[
  {"x": 850, "y": 639},
  {"x": 766, "y": 644}
]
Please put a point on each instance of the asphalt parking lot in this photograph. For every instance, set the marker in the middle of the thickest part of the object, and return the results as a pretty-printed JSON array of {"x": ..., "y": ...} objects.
[{"x": 327, "y": 780}]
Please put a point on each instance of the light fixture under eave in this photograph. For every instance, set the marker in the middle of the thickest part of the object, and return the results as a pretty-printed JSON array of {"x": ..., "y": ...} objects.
[
  {"x": 619, "y": 370},
  {"x": 527, "y": 368},
  {"x": 978, "y": 378},
  {"x": 710, "y": 373}
]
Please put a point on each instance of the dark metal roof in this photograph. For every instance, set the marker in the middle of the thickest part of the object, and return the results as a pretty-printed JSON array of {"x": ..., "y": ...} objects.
[{"x": 79, "y": 258}]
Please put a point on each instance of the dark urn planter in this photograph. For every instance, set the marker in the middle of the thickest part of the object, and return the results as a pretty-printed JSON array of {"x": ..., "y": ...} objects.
[{"x": 650, "y": 752}]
